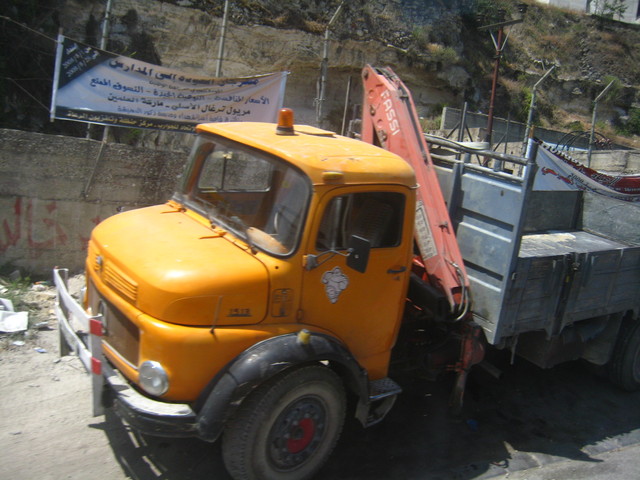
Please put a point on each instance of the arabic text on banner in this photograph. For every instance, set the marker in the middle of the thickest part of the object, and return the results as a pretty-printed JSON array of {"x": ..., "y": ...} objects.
[{"x": 95, "y": 86}]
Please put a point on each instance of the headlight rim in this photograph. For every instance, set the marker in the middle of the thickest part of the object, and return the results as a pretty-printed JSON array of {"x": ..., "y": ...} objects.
[{"x": 153, "y": 378}]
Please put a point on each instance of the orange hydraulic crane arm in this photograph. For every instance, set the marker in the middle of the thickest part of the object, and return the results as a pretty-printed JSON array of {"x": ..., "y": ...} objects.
[{"x": 389, "y": 120}]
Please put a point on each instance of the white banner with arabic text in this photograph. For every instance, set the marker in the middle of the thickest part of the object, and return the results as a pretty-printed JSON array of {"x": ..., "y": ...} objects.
[
  {"x": 95, "y": 86},
  {"x": 557, "y": 171}
]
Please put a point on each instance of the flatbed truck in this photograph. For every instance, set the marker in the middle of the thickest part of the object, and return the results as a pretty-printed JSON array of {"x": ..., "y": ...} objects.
[{"x": 294, "y": 268}]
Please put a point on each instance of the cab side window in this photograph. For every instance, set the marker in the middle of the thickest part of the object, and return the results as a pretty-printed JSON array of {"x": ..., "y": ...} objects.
[{"x": 375, "y": 216}]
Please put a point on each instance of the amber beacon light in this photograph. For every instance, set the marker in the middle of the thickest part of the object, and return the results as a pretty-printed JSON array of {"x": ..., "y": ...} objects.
[{"x": 285, "y": 122}]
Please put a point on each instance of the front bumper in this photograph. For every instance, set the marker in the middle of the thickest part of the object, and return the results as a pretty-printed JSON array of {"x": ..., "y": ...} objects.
[
  {"x": 82, "y": 333},
  {"x": 146, "y": 415}
]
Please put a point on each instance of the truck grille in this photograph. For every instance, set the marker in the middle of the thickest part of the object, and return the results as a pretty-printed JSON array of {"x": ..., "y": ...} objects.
[
  {"x": 120, "y": 282},
  {"x": 120, "y": 333}
]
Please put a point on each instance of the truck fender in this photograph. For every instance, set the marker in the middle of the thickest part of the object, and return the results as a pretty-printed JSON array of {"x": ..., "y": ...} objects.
[{"x": 263, "y": 361}]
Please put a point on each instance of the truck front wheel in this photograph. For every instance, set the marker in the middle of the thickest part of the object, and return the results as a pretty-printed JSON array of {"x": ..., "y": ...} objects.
[
  {"x": 287, "y": 428},
  {"x": 624, "y": 367}
]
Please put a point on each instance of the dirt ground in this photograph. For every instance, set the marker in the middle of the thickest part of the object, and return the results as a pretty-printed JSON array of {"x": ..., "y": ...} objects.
[
  {"x": 46, "y": 428},
  {"x": 528, "y": 419}
]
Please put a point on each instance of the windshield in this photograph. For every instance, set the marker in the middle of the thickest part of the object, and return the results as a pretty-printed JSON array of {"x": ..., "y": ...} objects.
[{"x": 260, "y": 198}]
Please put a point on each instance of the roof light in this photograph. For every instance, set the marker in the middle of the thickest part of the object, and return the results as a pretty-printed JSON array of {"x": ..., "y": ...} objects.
[
  {"x": 285, "y": 122},
  {"x": 332, "y": 177}
]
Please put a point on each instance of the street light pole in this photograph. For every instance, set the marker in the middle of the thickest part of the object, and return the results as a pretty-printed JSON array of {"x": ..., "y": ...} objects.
[{"x": 532, "y": 107}]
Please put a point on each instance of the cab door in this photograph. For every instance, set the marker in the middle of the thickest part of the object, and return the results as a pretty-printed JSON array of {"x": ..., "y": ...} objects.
[{"x": 363, "y": 309}]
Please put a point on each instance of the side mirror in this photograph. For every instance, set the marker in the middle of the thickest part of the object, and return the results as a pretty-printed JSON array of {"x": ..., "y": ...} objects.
[
  {"x": 357, "y": 255},
  {"x": 359, "y": 249}
]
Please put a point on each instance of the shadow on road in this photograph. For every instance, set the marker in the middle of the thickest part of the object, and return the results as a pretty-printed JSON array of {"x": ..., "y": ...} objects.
[{"x": 508, "y": 424}]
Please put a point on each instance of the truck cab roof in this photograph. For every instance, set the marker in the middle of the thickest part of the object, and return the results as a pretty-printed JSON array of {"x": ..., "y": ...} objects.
[{"x": 324, "y": 156}]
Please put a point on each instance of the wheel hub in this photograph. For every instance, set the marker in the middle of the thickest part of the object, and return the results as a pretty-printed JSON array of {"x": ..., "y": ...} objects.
[
  {"x": 297, "y": 433},
  {"x": 301, "y": 436}
]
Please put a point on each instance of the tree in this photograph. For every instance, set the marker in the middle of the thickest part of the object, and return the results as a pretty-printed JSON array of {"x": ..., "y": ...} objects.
[{"x": 610, "y": 8}]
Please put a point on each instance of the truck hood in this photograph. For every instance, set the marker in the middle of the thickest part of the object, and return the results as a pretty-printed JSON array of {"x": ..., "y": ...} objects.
[{"x": 176, "y": 269}]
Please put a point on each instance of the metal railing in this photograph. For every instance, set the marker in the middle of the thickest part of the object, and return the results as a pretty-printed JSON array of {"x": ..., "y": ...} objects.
[{"x": 86, "y": 340}]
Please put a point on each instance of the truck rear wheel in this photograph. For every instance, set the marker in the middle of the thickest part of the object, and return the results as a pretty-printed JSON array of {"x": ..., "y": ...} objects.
[
  {"x": 624, "y": 367},
  {"x": 286, "y": 429}
]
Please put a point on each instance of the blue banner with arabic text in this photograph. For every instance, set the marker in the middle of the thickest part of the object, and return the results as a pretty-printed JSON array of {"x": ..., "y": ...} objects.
[{"x": 95, "y": 86}]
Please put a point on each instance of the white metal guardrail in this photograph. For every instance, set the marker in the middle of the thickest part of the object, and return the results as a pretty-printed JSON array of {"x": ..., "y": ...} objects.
[{"x": 80, "y": 333}]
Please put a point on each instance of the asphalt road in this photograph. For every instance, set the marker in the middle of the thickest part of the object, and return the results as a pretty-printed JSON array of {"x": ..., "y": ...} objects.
[
  {"x": 525, "y": 422},
  {"x": 564, "y": 423}
]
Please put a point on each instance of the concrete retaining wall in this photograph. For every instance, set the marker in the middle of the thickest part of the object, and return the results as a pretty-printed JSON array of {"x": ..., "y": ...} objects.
[
  {"x": 511, "y": 131},
  {"x": 52, "y": 193},
  {"x": 625, "y": 162}
]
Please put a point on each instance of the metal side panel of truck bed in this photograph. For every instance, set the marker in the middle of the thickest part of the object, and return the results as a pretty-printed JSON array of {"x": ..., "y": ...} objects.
[
  {"x": 531, "y": 264},
  {"x": 567, "y": 276}
]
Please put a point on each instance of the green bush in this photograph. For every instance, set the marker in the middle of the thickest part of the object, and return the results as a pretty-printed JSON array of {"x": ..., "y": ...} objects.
[
  {"x": 631, "y": 126},
  {"x": 493, "y": 11},
  {"x": 524, "y": 103},
  {"x": 445, "y": 55},
  {"x": 575, "y": 126}
]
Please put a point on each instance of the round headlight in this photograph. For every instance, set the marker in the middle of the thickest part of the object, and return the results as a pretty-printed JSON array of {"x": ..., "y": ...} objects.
[{"x": 153, "y": 378}]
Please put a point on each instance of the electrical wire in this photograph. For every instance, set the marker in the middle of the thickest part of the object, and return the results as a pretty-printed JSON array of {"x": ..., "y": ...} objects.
[
  {"x": 26, "y": 91},
  {"x": 3, "y": 17}
]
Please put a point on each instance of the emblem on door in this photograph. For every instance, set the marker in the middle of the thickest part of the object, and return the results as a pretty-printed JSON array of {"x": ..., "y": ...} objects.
[{"x": 335, "y": 282}]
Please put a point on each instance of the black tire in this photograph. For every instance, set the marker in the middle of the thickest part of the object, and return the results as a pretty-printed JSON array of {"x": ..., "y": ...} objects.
[
  {"x": 286, "y": 429},
  {"x": 624, "y": 367}
]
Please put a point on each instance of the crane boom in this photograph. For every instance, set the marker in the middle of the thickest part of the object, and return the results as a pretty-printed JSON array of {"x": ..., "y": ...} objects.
[{"x": 390, "y": 120}]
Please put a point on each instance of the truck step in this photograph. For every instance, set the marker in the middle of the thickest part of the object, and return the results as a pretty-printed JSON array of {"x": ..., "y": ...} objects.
[
  {"x": 382, "y": 396},
  {"x": 382, "y": 388}
]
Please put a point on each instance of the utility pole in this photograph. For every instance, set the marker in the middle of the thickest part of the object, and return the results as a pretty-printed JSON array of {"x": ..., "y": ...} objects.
[
  {"x": 105, "y": 132},
  {"x": 103, "y": 46},
  {"x": 494, "y": 83},
  {"x": 223, "y": 35},
  {"x": 593, "y": 120},
  {"x": 105, "y": 26},
  {"x": 499, "y": 45},
  {"x": 324, "y": 67}
]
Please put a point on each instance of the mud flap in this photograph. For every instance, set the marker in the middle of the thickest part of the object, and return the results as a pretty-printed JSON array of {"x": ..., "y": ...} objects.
[{"x": 472, "y": 349}]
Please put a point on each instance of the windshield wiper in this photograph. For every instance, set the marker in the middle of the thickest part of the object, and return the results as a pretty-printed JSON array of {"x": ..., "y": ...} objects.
[
  {"x": 217, "y": 218},
  {"x": 242, "y": 225},
  {"x": 233, "y": 222}
]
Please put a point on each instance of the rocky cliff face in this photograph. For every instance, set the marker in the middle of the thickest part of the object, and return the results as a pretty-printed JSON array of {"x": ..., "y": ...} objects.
[
  {"x": 272, "y": 36},
  {"x": 435, "y": 46}
]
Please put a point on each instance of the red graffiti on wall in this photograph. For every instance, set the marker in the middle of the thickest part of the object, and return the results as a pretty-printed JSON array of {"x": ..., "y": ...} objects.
[
  {"x": 38, "y": 238},
  {"x": 11, "y": 236}
]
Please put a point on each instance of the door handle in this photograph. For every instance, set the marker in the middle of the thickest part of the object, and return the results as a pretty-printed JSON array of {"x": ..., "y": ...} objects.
[{"x": 396, "y": 270}]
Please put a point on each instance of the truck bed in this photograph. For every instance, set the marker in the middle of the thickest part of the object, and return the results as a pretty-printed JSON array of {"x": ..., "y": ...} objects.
[
  {"x": 564, "y": 277},
  {"x": 537, "y": 260}
]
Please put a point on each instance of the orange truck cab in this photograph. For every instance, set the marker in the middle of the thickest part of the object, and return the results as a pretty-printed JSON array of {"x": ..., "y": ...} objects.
[{"x": 283, "y": 259}]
